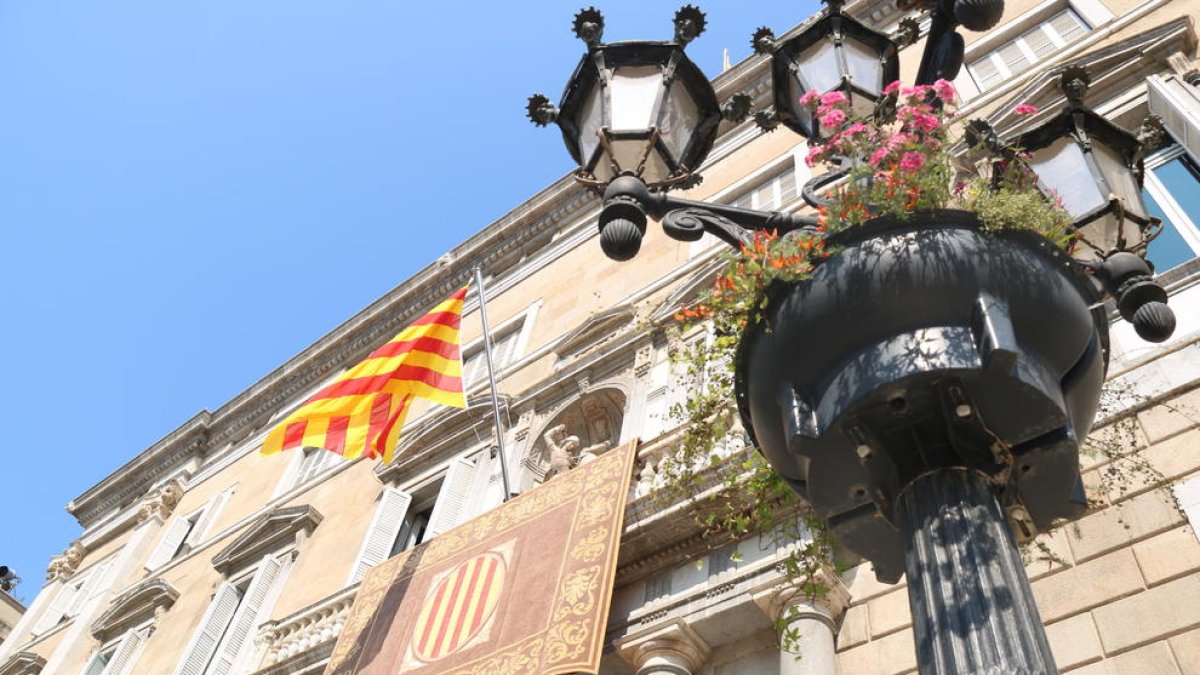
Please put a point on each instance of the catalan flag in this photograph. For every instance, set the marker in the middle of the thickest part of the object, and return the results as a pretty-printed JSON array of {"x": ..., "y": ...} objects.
[{"x": 361, "y": 412}]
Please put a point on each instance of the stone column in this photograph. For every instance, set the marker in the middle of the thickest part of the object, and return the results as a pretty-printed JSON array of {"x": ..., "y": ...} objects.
[
  {"x": 672, "y": 648},
  {"x": 807, "y": 623}
]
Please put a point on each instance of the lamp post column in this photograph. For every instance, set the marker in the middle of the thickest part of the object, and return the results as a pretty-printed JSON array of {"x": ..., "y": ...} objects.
[{"x": 972, "y": 606}]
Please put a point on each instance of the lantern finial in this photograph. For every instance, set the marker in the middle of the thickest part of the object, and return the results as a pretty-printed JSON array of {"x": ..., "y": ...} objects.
[
  {"x": 1074, "y": 83},
  {"x": 540, "y": 110},
  {"x": 689, "y": 24},
  {"x": 589, "y": 26}
]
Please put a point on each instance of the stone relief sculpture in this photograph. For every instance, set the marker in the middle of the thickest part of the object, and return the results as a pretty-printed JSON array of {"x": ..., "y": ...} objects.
[{"x": 64, "y": 565}]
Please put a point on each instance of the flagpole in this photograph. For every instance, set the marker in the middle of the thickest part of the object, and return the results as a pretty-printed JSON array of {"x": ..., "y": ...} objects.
[{"x": 487, "y": 350}]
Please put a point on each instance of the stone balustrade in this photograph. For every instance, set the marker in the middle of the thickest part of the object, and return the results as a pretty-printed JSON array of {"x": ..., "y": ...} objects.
[{"x": 312, "y": 627}]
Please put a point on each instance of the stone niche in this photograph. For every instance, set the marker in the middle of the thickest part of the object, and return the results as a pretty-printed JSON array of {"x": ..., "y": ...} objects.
[{"x": 578, "y": 432}]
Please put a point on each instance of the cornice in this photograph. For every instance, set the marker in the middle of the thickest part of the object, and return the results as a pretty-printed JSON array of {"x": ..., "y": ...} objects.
[{"x": 23, "y": 663}]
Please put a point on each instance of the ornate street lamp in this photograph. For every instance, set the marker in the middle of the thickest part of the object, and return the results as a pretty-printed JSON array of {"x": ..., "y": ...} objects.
[
  {"x": 835, "y": 53},
  {"x": 926, "y": 433}
]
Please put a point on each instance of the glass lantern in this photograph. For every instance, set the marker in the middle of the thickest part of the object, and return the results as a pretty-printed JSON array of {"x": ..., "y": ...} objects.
[
  {"x": 836, "y": 53},
  {"x": 641, "y": 109},
  {"x": 1094, "y": 167}
]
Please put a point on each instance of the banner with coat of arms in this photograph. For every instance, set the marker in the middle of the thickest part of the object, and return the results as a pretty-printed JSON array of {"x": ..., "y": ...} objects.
[{"x": 524, "y": 588}]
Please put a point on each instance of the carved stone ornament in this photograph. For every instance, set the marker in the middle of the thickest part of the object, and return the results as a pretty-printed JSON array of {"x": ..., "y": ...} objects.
[
  {"x": 673, "y": 647},
  {"x": 23, "y": 663},
  {"x": 63, "y": 566},
  {"x": 145, "y": 601},
  {"x": 161, "y": 501},
  {"x": 788, "y": 599}
]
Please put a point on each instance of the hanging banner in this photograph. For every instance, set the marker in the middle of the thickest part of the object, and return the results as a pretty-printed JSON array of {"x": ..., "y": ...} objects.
[{"x": 524, "y": 588}]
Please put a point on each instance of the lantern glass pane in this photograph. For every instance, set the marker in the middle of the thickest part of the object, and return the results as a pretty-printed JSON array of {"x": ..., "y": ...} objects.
[
  {"x": 628, "y": 154},
  {"x": 802, "y": 114},
  {"x": 1063, "y": 169},
  {"x": 819, "y": 66},
  {"x": 680, "y": 117},
  {"x": 864, "y": 65},
  {"x": 590, "y": 121},
  {"x": 632, "y": 94},
  {"x": 1120, "y": 177}
]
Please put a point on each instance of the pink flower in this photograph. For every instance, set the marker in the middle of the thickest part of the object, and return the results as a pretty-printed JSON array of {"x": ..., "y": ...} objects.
[
  {"x": 834, "y": 98},
  {"x": 925, "y": 122},
  {"x": 878, "y": 156},
  {"x": 892, "y": 88},
  {"x": 1025, "y": 109},
  {"x": 944, "y": 90},
  {"x": 912, "y": 161},
  {"x": 832, "y": 119},
  {"x": 814, "y": 154},
  {"x": 809, "y": 96},
  {"x": 856, "y": 128},
  {"x": 898, "y": 139}
]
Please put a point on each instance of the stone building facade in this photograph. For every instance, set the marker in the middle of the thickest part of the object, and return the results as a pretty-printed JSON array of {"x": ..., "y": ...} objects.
[
  {"x": 10, "y": 613},
  {"x": 200, "y": 556}
]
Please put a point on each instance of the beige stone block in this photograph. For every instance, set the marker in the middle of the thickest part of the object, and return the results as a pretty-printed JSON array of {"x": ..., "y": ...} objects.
[
  {"x": 1138, "y": 518},
  {"x": 1048, "y": 552},
  {"x": 891, "y": 655},
  {"x": 890, "y": 612},
  {"x": 1088, "y": 585},
  {"x": 1139, "y": 619},
  {"x": 1112, "y": 441},
  {"x": 1074, "y": 641},
  {"x": 861, "y": 583},
  {"x": 1171, "y": 417},
  {"x": 1186, "y": 648},
  {"x": 1169, "y": 555},
  {"x": 856, "y": 628},
  {"x": 1153, "y": 659},
  {"x": 1149, "y": 468}
]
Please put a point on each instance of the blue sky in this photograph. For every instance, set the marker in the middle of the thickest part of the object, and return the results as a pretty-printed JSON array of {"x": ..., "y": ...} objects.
[{"x": 192, "y": 192}]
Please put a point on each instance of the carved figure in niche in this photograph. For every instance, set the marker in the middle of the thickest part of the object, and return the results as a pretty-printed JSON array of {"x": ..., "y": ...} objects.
[{"x": 562, "y": 450}]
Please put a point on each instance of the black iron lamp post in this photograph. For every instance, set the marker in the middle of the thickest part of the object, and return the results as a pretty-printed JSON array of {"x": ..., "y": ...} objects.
[{"x": 927, "y": 389}]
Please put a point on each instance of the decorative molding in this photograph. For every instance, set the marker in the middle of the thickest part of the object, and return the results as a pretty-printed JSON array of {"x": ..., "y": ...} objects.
[
  {"x": 64, "y": 565},
  {"x": 23, "y": 663},
  {"x": 1185, "y": 67},
  {"x": 269, "y": 533},
  {"x": 145, "y": 601},
  {"x": 594, "y": 332}
]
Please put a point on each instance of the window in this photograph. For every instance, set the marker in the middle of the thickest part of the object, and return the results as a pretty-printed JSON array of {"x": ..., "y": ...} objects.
[
  {"x": 224, "y": 636},
  {"x": 1013, "y": 58},
  {"x": 185, "y": 533},
  {"x": 69, "y": 599},
  {"x": 658, "y": 587},
  {"x": 117, "y": 658},
  {"x": 772, "y": 192},
  {"x": 313, "y": 462},
  {"x": 504, "y": 352},
  {"x": 1172, "y": 193},
  {"x": 404, "y": 520}
]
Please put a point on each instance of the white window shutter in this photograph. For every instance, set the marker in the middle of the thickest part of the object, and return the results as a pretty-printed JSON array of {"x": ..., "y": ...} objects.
[
  {"x": 95, "y": 665},
  {"x": 385, "y": 526},
  {"x": 121, "y": 662},
  {"x": 92, "y": 585},
  {"x": 58, "y": 607},
  {"x": 246, "y": 619},
  {"x": 212, "y": 627},
  {"x": 169, "y": 544},
  {"x": 449, "y": 505}
]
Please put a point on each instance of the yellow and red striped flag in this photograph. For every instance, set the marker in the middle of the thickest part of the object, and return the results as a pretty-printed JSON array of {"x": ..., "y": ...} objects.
[{"x": 361, "y": 412}]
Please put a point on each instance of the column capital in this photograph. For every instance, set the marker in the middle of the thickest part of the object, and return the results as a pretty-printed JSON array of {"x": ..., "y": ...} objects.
[
  {"x": 823, "y": 596},
  {"x": 666, "y": 648}
]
